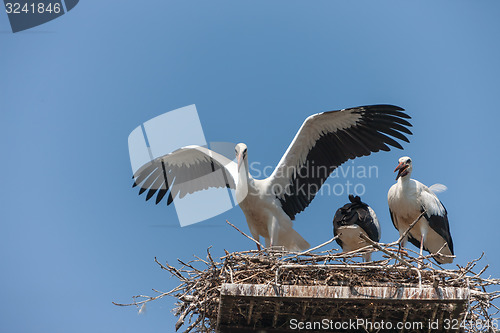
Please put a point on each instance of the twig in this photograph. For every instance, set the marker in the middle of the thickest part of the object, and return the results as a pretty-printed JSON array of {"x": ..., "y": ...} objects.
[
  {"x": 319, "y": 246},
  {"x": 241, "y": 232},
  {"x": 407, "y": 231},
  {"x": 390, "y": 254}
]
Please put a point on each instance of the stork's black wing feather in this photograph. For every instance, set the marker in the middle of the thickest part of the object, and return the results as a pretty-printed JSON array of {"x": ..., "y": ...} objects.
[
  {"x": 415, "y": 241},
  {"x": 393, "y": 219},
  {"x": 441, "y": 226},
  {"x": 181, "y": 172},
  {"x": 327, "y": 140}
]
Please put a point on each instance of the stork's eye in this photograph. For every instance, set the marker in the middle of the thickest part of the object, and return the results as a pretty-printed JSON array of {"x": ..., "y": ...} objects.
[{"x": 408, "y": 162}]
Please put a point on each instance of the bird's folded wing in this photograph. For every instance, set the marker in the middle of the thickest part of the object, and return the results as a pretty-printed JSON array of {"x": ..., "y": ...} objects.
[
  {"x": 436, "y": 215},
  {"x": 328, "y": 139},
  {"x": 186, "y": 170}
]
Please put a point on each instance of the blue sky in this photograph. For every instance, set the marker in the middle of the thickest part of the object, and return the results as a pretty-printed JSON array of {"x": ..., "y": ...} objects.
[{"x": 75, "y": 236}]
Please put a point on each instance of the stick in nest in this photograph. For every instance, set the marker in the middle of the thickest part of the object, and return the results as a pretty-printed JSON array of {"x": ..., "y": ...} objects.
[{"x": 259, "y": 245}]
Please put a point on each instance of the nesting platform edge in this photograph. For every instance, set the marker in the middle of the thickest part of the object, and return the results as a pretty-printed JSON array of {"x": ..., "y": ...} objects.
[{"x": 280, "y": 308}]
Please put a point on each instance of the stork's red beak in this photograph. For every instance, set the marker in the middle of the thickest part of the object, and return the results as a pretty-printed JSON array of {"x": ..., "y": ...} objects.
[
  {"x": 240, "y": 157},
  {"x": 403, "y": 170},
  {"x": 400, "y": 165}
]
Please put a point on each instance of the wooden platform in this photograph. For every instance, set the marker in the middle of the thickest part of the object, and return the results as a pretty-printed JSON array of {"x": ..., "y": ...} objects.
[{"x": 267, "y": 308}]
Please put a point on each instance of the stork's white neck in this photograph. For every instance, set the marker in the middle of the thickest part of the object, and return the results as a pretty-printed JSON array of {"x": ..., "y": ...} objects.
[
  {"x": 244, "y": 182},
  {"x": 243, "y": 174},
  {"x": 404, "y": 181}
]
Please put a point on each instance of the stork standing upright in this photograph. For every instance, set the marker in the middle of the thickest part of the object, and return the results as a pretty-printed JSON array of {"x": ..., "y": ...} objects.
[
  {"x": 408, "y": 198},
  {"x": 353, "y": 219},
  {"x": 323, "y": 142}
]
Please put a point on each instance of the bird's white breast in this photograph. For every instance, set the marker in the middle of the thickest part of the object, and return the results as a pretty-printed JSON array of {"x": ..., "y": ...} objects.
[
  {"x": 403, "y": 199},
  {"x": 259, "y": 205}
]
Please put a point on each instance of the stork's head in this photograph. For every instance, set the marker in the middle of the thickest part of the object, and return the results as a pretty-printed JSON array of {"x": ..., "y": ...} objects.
[
  {"x": 241, "y": 154},
  {"x": 404, "y": 167}
]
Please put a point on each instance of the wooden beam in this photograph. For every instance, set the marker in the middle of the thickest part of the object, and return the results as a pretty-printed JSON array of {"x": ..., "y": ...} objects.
[{"x": 350, "y": 293}]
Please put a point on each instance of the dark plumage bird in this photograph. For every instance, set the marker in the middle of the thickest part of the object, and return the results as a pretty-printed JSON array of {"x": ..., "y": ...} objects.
[{"x": 353, "y": 219}]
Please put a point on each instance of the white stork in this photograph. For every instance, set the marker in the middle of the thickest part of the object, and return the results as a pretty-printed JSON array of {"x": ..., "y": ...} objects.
[
  {"x": 353, "y": 219},
  {"x": 324, "y": 141},
  {"x": 408, "y": 198}
]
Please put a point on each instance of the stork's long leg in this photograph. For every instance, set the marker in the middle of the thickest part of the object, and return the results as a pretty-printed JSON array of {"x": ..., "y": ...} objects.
[
  {"x": 423, "y": 231},
  {"x": 424, "y": 234},
  {"x": 421, "y": 245},
  {"x": 255, "y": 236},
  {"x": 273, "y": 231}
]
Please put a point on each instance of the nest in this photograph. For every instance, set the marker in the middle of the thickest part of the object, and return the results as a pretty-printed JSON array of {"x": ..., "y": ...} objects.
[{"x": 199, "y": 307}]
